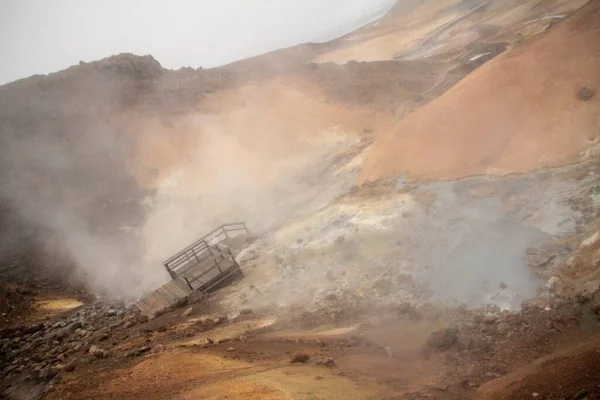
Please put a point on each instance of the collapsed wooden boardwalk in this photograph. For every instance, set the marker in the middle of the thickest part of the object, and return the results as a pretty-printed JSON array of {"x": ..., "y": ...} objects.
[{"x": 202, "y": 266}]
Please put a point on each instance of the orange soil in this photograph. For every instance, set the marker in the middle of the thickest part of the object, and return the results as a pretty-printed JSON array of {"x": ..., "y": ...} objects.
[
  {"x": 253, "y": 126},
  {"x": 517, "y": 113}
]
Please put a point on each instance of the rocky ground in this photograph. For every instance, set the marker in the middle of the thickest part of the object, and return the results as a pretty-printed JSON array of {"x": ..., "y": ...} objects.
[{"x": 79, "y": 355}]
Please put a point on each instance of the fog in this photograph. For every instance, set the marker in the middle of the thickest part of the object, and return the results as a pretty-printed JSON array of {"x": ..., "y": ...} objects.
[{"x": 42, "y": 37}]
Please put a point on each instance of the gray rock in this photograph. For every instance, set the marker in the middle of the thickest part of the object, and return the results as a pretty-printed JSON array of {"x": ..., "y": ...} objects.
[
  {"x": 97, "y": 351},
  {"x": 585, "y": 93},
  {"x": 327, "y": 361},
  {"x": 489, "y": 319},
  {"x": 74, "y": 326}
]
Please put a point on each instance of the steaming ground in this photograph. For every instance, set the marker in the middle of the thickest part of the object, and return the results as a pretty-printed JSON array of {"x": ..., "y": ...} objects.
[
  {"x": 302, "y": 185},
  {"x": 463, "y": 242}
]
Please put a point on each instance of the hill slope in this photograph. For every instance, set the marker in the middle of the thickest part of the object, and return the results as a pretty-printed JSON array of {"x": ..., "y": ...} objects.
[{"x": 517, "y": 113}]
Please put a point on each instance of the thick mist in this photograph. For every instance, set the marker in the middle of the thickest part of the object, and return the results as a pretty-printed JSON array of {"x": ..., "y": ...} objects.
[{"x": 111, "y": 195}]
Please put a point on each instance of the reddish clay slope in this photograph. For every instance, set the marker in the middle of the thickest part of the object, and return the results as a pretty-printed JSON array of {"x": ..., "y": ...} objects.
[{"x": 517, "y": 113}]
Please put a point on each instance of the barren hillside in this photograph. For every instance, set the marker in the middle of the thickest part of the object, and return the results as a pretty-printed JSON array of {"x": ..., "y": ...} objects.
[
  {"x": 419, "y": 200},
  {"x": 525, "y": 110}
]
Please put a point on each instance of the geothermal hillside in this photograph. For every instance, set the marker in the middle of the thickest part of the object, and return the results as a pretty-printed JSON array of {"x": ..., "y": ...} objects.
[{"x": 421, "y": 198}]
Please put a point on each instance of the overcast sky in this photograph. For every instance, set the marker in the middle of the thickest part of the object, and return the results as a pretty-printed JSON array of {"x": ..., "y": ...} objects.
[{"x": 41, "y": 36}]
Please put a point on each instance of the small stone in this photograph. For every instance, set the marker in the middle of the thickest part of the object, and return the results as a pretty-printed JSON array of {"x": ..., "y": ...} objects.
[
  {"x": 327, "y": 361},
  {"x": 159, "y": 348},
  {"x": 187, "y": 312},
  {"x": 300, "y": 358},
  {"x": 489, "y": 319},
  {"x": 585, "y": 93},
  {"x": 230, "y": 349},
  {"x": 551, "y": 283},
  {"x": 97, "y": 351},
  {"x": 69, "y": 367},
  {"x": 74, "y": 326},
  {"x": 589, "y": 290},
  {"x": 502, "y": 285},
  {"x": 128, "y": 324},
  {"x": 48, "y": 373}
]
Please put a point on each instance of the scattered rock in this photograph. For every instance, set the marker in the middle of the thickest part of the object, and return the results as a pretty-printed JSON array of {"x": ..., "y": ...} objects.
[
  {"x": 230, "y": 349},
  {"x": 187, "y": 312},
  {"x": 490, "y": 319},
  {"x": 128, "y": 324},
  {"x": 69, "y": 367},
  {"x": 300, "y": 358},
  {"x": 48, "y": 373},
  {"x": 97, "y": 351},
  {"x": 159, "y": 348},
  {"x": 589, "y": 290}
]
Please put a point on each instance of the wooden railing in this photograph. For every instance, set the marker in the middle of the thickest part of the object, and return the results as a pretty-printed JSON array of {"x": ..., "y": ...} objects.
[{"x": 205, "y": 255}]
